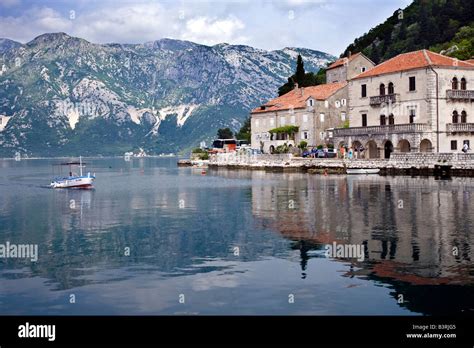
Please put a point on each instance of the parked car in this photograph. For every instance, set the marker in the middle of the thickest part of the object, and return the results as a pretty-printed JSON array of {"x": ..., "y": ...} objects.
[
  {"x": 311, "y": 153},
  {"x": 320, "y": 153},
  {"x": 332, "y": 153}
]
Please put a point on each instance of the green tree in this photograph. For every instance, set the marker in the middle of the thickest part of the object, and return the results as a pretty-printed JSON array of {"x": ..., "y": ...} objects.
[
  {"x": 303, "y": 78},
  {"x": 300, "y": 73},
  {"x": 402, "y": 34},
  {"x": 321, "y": 77},
  {"x": 225, "y": 133},
  {"x": 303, "y": 145},
  {"x": 245, "y": 130},
  {"x": 287, "y": 86},
  {"x": 423, "y": 24},
  {"x": 375, "y": 56}
]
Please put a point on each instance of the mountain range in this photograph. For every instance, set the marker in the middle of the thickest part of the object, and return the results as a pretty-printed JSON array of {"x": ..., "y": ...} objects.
[{"x": 62, "y": 95}]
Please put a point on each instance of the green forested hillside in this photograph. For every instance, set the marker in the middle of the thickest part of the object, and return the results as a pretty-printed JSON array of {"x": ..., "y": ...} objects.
[{"x": 445, "y": 26}]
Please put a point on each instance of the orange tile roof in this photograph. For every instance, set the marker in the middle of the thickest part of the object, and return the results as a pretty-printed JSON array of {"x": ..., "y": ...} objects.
[
  {"x": 341, "y": 61},
  {"x": 296, "y": 98},
  {"x": 470, "y": 61},
  {"x": 413, "y": 60}
]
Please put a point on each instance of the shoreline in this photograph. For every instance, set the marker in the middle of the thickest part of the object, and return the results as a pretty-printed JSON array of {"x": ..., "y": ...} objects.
[
  {"x": 92, "y": 157},
  {"x": 411, "y": 164}
]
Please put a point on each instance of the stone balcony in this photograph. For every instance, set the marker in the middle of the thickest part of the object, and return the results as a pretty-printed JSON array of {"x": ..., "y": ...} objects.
[
  {"x": 460, "y": 127},
  {"x": 460, "y": 94},
  {"x": 387, "y": 129},
  {"x": 383, "y": 99}
]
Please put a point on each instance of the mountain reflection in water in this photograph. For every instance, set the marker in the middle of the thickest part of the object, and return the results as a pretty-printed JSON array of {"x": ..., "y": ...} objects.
[{"x": 234, "y": 242}]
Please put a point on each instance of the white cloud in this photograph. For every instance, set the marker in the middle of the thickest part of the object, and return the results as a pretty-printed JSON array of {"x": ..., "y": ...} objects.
[
  {"x": 327, "y": 25},
  {"x": 125, "y": 24},
  {"x": 212, "y": 31},
  {"x": 33, "y": 22}
]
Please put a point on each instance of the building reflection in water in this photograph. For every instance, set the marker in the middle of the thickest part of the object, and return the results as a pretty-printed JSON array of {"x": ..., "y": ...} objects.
[{"x": 416, "y": 232}]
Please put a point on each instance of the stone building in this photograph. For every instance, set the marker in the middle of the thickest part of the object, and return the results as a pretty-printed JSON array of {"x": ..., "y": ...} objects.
[
  {"x": 416, "y": 101},
  {"x": 346, "y": 68},
  {"x": 313, "y": 110}
]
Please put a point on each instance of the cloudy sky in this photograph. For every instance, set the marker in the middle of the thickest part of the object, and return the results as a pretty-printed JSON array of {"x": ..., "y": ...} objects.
[{"x": 326, "y": 25}]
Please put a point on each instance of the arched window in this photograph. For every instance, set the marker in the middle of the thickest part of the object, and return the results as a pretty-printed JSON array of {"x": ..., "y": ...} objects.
[
  {"x": 463, "y": 84},
  {"x": 455, "y": 83},
  {"x": 463, "y": 116},
  {"x": 383, "y": 120},
  {"x": 391, "y": 119},
  {"x": 382, "y": 89},
  {"x": 390, "y": 88},
  {"x": 455, "y": 116}
]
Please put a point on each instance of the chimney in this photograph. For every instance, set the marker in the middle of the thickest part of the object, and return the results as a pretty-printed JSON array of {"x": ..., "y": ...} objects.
[
  {"x": 302, "y": 91},
  {"x": 296, "y": 85},
  {"x": 349, "y": 54}
]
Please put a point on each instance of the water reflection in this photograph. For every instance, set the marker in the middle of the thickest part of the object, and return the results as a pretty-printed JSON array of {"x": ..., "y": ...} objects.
[
  {"x": 416, "y": 232},
  {"x": 182, "y": 229}
]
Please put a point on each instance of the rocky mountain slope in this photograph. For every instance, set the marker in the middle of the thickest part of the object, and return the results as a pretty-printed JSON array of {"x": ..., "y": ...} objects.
[
  {"x": 442, "y": 26},
  {"x": 61, "y": 95}
]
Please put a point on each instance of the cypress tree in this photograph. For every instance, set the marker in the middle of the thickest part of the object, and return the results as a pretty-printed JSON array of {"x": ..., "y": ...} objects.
[{"x": 300, "y": 70}]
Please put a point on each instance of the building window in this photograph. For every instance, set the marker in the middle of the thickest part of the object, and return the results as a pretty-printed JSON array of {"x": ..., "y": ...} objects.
[
  {"x": 363, "y": 69},
  {"x": 463, "y": 117},
  {"x": 412, "y": 115},
  {"x": 363, "y": 91},
  {"x": 455, "y": 116},
  {"x": 343, "y": 101},
  {"x": 343, "y": 116},
  {"x": 463, "y": 84},
  {"x": 293, "y": 119},
  {"x": 454, "y": 144},
  {"x": 305, "y": 118},
  {"x": 364, "y": 120},
  {"x": 282, "y": 120},
  {"x": 391, "y": 119},
  {"x": 454, "y": 83},
  {"x": 304, "y": 135},
  {"x": 391, "y": 90},
  {"x": 412, "y": 83},
  {"x": 382, "y": 89},
  {"x": 321, "y": 117},
  {"x": 466, "y": 142},
  {"x": 383, "y": 120},
  {"x": 310, "y": 102}
]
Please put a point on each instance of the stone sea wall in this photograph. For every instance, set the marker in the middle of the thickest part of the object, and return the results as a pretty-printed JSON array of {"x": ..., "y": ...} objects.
[{"x": 399, "y": 163}]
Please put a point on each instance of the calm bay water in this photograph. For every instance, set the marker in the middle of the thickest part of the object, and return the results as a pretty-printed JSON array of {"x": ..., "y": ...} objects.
[{"x": 234, "y": 242}]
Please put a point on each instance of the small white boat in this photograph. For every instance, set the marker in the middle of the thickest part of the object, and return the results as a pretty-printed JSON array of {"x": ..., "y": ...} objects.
[
  {"x": 74, "y": 180},
  {"x": 362, "y": 170}
]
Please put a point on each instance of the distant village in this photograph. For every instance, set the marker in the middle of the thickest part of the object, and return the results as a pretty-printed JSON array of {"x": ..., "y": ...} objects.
[{"x": 418, "y": 101}]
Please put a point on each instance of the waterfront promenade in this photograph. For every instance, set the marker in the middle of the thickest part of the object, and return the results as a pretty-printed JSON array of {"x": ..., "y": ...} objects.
[{"x": 399, "y": 163}]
